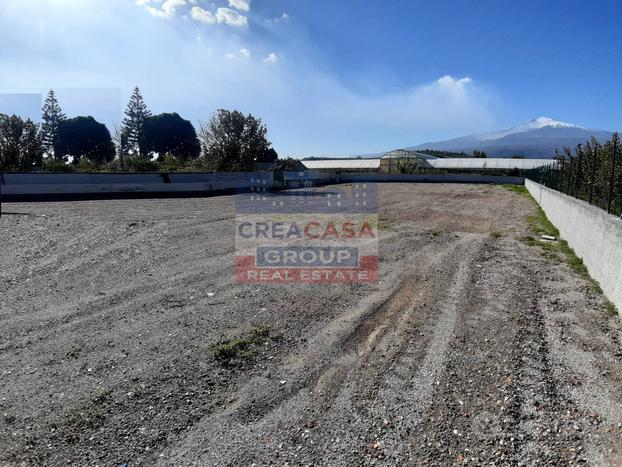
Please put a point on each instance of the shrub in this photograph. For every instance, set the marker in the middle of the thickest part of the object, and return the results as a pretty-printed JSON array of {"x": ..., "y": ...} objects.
[
  {"x": 139, "y": 164},
  {"x": 56, "y": 165}
]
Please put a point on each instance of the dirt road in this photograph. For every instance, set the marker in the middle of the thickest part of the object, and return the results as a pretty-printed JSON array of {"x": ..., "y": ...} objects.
[{"x": 473, "y": 348}]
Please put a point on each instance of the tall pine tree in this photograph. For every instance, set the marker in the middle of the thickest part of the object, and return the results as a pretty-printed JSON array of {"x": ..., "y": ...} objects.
[
  {"x": 52, "y": 116},
  {"x": 134, "y": 122}
]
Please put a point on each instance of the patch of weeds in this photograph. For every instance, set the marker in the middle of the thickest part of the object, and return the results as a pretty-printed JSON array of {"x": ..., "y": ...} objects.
[
  {"x": 385, "y": 224},
  {"x": 610, "y": 308},
  {"x": 551, "y": 256},
  {"x": 529, "y": 240},
  {"x": 102, "y": 396},
  {"x": 518, "y": 189},
  {"x": 550, "y": 249},
  {"x": 540, "y": 225},
  {"x": 575, "y": 263},
  {"x": 436, "y": 232},
  {"x": 77, "y": 422},
  {"x": 561, "y": 251},
  {"x": 243, "y": 347},
  {"x": 259, "y": 333},
  {"x": 496, "y": 234}
]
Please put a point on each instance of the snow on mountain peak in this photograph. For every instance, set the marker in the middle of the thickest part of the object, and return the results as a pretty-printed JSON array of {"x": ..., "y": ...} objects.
[
  {"x": 541, "y": 122},
  {"x": 534, "y": 124}
]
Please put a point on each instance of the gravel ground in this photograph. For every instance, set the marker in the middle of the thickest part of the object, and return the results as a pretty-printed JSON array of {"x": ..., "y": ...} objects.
[{"x": 472, "y": 349}]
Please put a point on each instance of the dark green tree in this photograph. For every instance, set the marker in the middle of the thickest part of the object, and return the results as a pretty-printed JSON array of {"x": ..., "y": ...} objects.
[
  {"x": 170, "y": 134},
  {"x": 479, "y": 154},
  {"x": 20, "y": 144},
  {"x": 51, "y": 117},
  {"x": 234, "y": 142},
  {"x": 10, "y": 136},
  {"x": 31, "y": 146},
  {"x": 119, "y": 139},
  {"x": 287, "y": 164},
  {"x": 84, "y": 137},
  {"x": 133, "y": 127},
  {"x": 268, "y": 156}
]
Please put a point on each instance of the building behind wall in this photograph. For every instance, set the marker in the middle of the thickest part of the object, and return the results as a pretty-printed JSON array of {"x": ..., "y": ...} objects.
[{"x": 403, "y": 161}]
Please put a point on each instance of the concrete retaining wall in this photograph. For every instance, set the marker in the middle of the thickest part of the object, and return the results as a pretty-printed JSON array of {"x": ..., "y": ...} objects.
[
  {"x": 50, "y": 186},
  {"x": 595, "y": 236},
  {"x": 23, "y": 186}
]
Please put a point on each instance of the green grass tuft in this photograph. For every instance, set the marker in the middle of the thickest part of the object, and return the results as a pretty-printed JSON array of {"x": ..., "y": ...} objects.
[
  {"x": 540, "y": 225},
  {"x": 242, "y": 347},
  {"x": 385, "y": 224},
  {"x": 518, "y": 189},
  {"x": 610, "y": 308}
]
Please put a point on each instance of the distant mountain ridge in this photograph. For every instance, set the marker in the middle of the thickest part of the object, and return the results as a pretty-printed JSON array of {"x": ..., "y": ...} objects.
[{"x": 537, "y": 138}]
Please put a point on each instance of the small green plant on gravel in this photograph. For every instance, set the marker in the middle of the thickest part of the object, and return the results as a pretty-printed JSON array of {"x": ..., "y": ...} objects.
[
  {"x": 518, "y": 189},
  {"x": 436, "y": 232},
  {"x": 384, "y": 224},
  {"x": 496, "y": 234},
  {"x": 550, "y": 249},
  {"x": 610, "y": 308},
  {"x": 88, "y": 419},
  {"x": 241, "y": 347}
]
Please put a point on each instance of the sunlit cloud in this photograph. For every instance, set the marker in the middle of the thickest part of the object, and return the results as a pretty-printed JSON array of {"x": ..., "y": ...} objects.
[
  {"x": 222, "y": 15},
  {"x": 198, "y": 69},
  {"x": 242, "y": 5},
  {"x": 202, "y": 15},
  {"x": 278, "y": 19},
  {"x": 231, "y": 17},
  {"x": 272, "y": 58},
  {"x": 166, "y": 10}
]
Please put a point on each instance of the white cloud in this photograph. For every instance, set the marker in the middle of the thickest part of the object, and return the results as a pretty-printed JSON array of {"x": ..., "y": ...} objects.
[
  {"x": 222, "y": 15},
  {"x": 283, "y": 17},
  {"x": 432, "y": 109},
  {"x": 230, "y": 17},
  {"x": 202, "y": 15},
  {"x": 166, "y": 10},
  {"x": 242, "y": 5},
  {"x": 272, "y": 58},
  {"x": 245, "y": 53},
  {"x": 449, "y": 82},
  {"x": 340, "y": 116}
]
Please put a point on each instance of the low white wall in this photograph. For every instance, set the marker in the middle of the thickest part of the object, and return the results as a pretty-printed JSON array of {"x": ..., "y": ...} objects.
[
  {"x": 430, "y": 178},
  {"x": 594, "y": 235}
]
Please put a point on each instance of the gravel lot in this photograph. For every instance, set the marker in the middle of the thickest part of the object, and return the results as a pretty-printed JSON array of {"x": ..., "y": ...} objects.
[{"x": 473, "y": 348}]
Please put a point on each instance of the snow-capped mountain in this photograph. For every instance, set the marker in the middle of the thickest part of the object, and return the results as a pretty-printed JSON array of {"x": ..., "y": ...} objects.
[
  {"x": 536, "y": 138},
  {"x": 534, "y": 124}
]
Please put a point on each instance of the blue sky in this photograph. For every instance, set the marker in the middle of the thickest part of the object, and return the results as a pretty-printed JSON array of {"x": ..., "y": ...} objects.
[{"x": 328, "y": 77}]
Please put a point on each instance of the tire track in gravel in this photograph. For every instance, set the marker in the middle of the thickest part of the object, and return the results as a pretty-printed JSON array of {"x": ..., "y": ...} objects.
[
  {"x": 463, "y": 353},
  {"x": 333, "y": 392},
  {"x": 410, "y": 384},
  {"x": 502, "y": 399}
]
